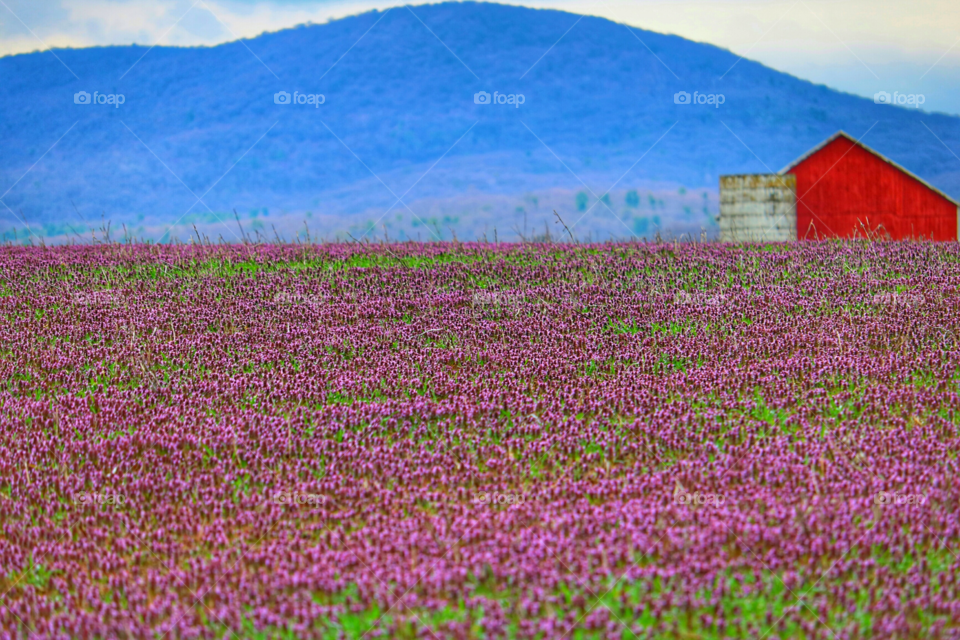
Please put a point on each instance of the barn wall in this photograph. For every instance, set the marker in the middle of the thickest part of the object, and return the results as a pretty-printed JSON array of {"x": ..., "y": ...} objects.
[
  {"x": 844, "y": 190},
  {"x": 758, "y": 208}
]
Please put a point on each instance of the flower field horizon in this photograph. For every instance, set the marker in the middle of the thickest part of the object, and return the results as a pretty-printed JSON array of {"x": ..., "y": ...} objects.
[{"x": 469, "y": 440}]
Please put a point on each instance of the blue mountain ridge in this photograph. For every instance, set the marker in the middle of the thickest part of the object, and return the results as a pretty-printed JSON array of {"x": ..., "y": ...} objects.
[{"x": 399, "y": 119}]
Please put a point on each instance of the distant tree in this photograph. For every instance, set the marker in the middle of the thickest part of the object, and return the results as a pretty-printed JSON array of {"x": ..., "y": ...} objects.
[
  {"x": 605, "y": 198},
  {"x": 633, "y": 199},
  {"x": 640, "y": 226},
  {"x": 682, "y": 191},
  {"x": 582, "y": 200}
]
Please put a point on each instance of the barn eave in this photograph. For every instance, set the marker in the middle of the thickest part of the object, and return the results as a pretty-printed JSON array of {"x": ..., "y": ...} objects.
[{"x": 844, "y": 134}]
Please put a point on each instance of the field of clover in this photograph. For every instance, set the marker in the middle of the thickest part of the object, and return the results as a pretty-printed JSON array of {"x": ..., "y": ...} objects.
[{"x": 480, "y": 441}]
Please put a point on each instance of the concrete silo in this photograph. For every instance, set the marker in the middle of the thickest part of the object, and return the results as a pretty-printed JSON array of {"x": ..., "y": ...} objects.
[{"x": 758, "y": 208}]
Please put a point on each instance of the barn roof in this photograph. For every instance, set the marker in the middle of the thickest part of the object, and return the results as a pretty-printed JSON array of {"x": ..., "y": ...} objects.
[{"x": 844, "y": 134}]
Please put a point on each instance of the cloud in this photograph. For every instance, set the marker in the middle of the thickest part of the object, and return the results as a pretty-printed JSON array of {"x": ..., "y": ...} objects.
[
  {"x": 32, "y": 25},
  {"x": 807, "y": 26},
  {"x": 200, "y": 23}
]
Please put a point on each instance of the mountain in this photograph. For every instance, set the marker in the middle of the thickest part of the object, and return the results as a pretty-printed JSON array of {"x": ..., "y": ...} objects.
[{"x": 199, "y": 132}]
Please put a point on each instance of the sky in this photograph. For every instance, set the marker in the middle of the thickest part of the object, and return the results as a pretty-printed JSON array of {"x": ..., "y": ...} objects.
[{"x": 858, "y": 46}]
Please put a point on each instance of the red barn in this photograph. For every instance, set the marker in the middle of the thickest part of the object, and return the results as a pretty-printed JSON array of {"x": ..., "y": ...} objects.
[{"x": 845, "y": 188}]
